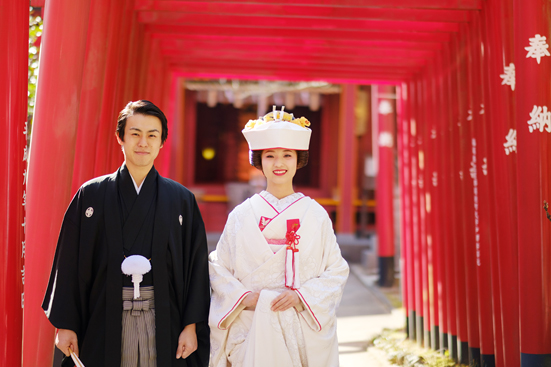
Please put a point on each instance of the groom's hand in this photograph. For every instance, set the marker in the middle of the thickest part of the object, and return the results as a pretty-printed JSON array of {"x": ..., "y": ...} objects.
[
  {"x": 187, "y": 342},
  {"x": 66, "y": 339}
]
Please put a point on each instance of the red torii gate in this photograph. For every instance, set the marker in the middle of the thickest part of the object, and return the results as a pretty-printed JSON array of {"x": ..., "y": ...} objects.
[{"x": 475, "y": 237}]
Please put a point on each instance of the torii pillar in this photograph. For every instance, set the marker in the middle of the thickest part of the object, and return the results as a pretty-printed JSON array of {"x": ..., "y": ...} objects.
[
  {"x": 51, "y": 161},
  {"x": 385, "y": 112},
  {"x": 347, "y": 160},
  {"x": 14, "y": 42},
  {"x": 533, "y": 118}
]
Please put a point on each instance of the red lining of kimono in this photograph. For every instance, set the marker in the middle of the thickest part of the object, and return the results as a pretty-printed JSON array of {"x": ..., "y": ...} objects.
[
  {"x": 307, "y": 305},
  {"x": 278, "y": 213},
  {"x": 232, "y": 309}
]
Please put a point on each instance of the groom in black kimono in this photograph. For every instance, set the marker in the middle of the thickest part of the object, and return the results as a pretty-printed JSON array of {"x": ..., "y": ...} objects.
[{"x": 133, "y": 211}]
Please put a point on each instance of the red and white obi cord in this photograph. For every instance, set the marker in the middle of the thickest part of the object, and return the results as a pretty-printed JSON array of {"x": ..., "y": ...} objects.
[{"x": 292, "y": 279}]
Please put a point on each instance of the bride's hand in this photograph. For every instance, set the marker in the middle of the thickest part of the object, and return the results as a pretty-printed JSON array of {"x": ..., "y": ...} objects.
[
  {"x": 285, "y": 301},
  {"x": 250, "y": 300}
]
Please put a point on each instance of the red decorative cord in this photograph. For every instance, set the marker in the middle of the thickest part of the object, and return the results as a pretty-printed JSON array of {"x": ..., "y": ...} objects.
[{"x": 292, "y": 240}]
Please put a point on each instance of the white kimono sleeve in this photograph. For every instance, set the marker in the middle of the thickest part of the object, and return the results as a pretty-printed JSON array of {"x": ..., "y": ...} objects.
[
  {"x": 321, "y": 295},
  {"x": 227, "y": 291}
]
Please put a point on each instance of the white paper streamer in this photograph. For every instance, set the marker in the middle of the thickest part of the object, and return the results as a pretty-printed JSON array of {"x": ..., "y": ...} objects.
[
  {"x": 296, "y": 282},
  {"x": 289, "y": 268}
]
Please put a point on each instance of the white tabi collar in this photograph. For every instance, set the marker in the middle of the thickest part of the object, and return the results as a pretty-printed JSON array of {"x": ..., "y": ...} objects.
[
  {"x": 280, "y": 204},
  {"x": 135, "y": 185}
]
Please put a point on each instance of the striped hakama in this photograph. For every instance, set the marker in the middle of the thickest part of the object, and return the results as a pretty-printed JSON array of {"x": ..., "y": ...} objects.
[{"x": 138, "y": 329}]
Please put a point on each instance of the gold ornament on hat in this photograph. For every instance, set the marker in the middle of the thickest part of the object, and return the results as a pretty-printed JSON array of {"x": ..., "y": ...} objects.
[
  {"x": 276, "y": 116},
  {"x": 278, "y": 129}
]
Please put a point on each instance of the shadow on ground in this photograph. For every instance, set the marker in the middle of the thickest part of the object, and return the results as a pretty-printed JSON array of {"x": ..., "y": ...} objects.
[{"x": 363, "y": 314}]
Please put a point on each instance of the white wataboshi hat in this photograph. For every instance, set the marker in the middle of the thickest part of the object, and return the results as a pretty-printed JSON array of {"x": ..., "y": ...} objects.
[{"x": 278, "y": 129}]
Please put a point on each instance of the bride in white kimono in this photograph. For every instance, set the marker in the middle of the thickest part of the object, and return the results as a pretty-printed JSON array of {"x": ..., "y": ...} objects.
[{"x": 277, "y": 274}]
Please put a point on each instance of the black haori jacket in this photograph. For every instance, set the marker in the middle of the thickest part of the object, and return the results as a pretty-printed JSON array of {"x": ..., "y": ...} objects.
[{"x": 84, "y": 293}]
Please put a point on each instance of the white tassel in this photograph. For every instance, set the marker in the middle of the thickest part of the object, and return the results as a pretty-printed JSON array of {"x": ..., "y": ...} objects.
[
  {"x": 296, "y": 283},
  {"x": 289, "y": 274},
  {"x": 137, "y": 266}
]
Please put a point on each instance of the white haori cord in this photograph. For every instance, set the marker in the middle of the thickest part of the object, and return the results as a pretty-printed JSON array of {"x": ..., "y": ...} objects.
[{"x": 137, "y": 266}]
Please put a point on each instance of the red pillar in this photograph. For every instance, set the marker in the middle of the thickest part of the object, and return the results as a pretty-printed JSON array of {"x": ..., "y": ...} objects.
[
  {"x": 106, "y": 142},
  {"x": 411, "y": 214},
  {"x": 124, "y": 79},
  {"x": 163, "y": 162},
  {"x": 153, "y": 81},
  {"x": 142, "y": 80},
  {"x": 440, "y": 206},
  {"x": 176, "y": 114},
  {"x": 412, "y": 290},
  {"x": 384, "y": 194},
  {"x": 470, "y": 213},
  {"x": 425, "y": 200},
  {"x": 404, "y": 138},
  {"x": 432, "y": 134},
  {"x": 424, "y": 225},
  {"x": 51, "y": 161},
  {"x": 480, "y": 174},
  {"x": 459, "y": 175},
  {"x": 190, "y": 118},
  {"x": 415, "y": 212},
  {"x": 446, "y": 182},
  {"x": 135, "y": 59},
  {"x": 533, "y": 97},
  {"x": 500, "y": 105},
  {"x": 13, "y": 106},
  {"x": 347, "y": 160},
  {"x": 92, "y": 92}
]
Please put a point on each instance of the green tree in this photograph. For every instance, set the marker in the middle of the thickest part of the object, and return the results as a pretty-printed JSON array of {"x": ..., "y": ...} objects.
[{"x": 35, "y": 34}]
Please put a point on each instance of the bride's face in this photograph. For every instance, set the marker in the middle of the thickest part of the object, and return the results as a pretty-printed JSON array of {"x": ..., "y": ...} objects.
[{"x": 279, "y": 165}]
